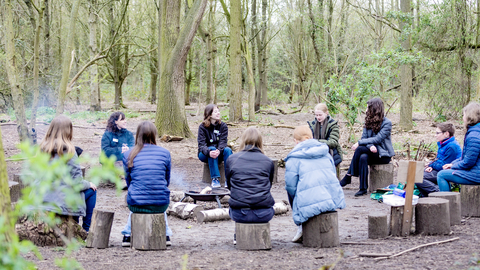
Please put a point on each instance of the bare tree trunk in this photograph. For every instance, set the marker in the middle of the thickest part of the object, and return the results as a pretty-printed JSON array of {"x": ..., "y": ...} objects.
[
  {"x": 263, "y": 71},
  {"x": 189, "y": 76},
  {"x": 235, "y": 81},
  {"x": 254, "y": 49},
  {"x": 250, "y": 79},
  {"x": 329, "y": 26},
  {"x": 94, "y": 85},
  {"x": 47, "y": 37},
  {"x": 406, "y": 77},
  {"x": 210, "y": 53},
  {"x": 5, "y": 205}
]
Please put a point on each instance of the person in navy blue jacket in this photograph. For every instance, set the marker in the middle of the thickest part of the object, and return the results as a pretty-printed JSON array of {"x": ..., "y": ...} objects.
[
  {"x": 147, "y": 173},
  {"x": 448, "y": 151},
  {"x": 117, "y": 139},
  {"x": 466, "y": 169}
]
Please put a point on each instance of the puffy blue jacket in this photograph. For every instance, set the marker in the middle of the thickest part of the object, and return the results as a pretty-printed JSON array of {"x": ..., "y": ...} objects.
[
  {"x": 382, "y": 140},
  {"x": 149, "y": 177},
  {"x": 448, "y": 151},
  {"x": 468, "y": 166},
  {"x": 312, "y": 179},
  {"x": 112, "y": 142}
]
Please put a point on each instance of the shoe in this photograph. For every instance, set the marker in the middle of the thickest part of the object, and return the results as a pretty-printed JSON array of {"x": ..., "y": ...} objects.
[
  {"x": 298, "y": 237},
  {"x": 226, "y": 186},
  {"x": 125, "y": 188},
  {"x": 126, "y": 241},
  {"x": 215, "y": 183},
  {"x": 169, "y": 243},
  {"x": 361, "y": 192},
  {"x": 234, "y": 239},
  {"x": 347, "y": 179}
]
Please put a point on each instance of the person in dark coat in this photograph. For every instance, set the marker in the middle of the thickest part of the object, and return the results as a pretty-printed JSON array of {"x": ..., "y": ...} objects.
[
  {"x": 212, "y": 142},
  {"x": 375, "y": 146},
  {"x": 448, "y": 151},
  {"x": 147, "y": 173},
  {"x": 117, "y": 139},
  {"x": 249, "y": 175},
  {"x": 466, "y": 169}
]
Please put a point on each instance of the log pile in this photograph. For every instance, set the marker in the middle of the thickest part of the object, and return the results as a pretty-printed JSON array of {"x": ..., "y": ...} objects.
[{"x": 184, "y": 210}]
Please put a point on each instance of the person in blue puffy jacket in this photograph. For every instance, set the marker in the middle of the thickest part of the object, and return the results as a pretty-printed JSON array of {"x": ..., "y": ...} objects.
[
  {"x": 448, "y": 151},
  {"x": 147, "y": 173},
  {"x": 466, "y": 169},
  {"x": 310, "y": 179},
  {"x": 117, "y": 139}
]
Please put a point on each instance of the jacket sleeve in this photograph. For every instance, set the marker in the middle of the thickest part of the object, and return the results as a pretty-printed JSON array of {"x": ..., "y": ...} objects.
[
  {"x": 450, "y": 156},
  {"x": 470, "y": 154},
  {"x": 109, "y": 150},
  {"x": 223, "y": 137},
  {"x": 130, "y": 140},
  {"x": 272, "y": 173},
  {"x": 76, "y": 173},
  {"x": 128, "y": 178},
  {"x": 168, "y": 169},
  {"x": 291, "y": 177},
  {"x": 384, "y": 132},
  {"x": 228, "y": 173},
  {"x": 202, "y": 141},
  {"x": 332, "y": 140}
]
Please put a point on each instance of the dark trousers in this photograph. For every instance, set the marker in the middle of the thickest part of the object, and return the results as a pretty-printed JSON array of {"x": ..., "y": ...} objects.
[
  {"x": 429, "y": 184},
  {"x": 90, "y": 201},
  {"x": 247, "y": 215},
  {"x": 360, "y": 161}
]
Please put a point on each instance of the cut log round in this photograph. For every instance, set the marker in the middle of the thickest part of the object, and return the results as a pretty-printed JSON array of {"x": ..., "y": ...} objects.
[
  {"x": 148, "y": 231},
  {"x": 100, "y": 228},
  {"x": 15, "y": 191},
  {"x": 253, "y": 236},
  {"x": 206, "y": 174},
  {"x": 454, "y": 204},
  {"x": 213, "y": 215},
  {"x": 377, "y": 226},
  {"x": 185, "y": 210},
  {"x": 470, "y": 197},
  {"x": 321, "y": 231},
  {"x": 176, "y": 196},
  {"x": 380, "y": 176},
  {"x": 396, "y": 220},
  {"x": 280, "y": 208},
  {"x": 432, "y": 216}
]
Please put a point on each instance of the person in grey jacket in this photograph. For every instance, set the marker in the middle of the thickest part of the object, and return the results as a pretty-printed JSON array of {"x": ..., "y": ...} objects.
[
  {"x": 375, "y": 146},
  {"x": 57, "y": 143}
]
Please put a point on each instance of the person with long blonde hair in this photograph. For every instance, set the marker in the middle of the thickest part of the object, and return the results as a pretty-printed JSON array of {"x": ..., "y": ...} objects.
[{"x": 58, "y": 143}]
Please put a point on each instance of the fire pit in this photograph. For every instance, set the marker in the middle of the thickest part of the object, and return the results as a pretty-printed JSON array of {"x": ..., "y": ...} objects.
[{"x": 214, "y": 195}]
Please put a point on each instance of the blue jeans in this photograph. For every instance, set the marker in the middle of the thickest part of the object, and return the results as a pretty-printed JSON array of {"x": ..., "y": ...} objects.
[
  {"x": 213, "y": 162},
  {"x": 90, "y": 201},
  {"x": 247, "y": 215},
  {"x": 429, "y": 184},
  {"x": 446, "y": 176},
  {"x": 127, "y": 230}
]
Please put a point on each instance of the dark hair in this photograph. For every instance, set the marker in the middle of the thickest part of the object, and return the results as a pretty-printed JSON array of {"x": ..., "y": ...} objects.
[
  {"x": 444, "y": 127},
  {"x": 207, "y": 115},
  {"x": 146, "y": 133},
  {"x": 375, "y": 114},
  {"x": 111, "y": 126}
]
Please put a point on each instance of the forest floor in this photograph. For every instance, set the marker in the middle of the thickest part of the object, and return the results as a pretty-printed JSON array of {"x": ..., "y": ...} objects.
[{"x": 209, "y": 245}]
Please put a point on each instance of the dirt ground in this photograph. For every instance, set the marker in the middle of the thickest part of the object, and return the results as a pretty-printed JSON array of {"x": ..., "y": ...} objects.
[{"x": 209, "y": 245}]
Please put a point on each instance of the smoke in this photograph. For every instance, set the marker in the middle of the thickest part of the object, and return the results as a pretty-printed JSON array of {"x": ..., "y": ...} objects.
[{"x": 177, "y": 180}]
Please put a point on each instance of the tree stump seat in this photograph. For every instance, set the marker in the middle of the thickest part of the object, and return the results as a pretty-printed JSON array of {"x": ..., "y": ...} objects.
[
  {"x": 377, "y": 226},
  {"x": 454, "y": 204},
  {"x": 470, "y": 200},
  {"x": 253, "y": 236},
  {"x": 321, "y": 230},
  {"x": 380, "y": 176},
  {"x": 432, "y": 216},
  {"x": 206, "y": 173},
  {"x": 15, "y": 191},
  {"x": 148, "y": 231},
  {"x": 100, "y": 228}
]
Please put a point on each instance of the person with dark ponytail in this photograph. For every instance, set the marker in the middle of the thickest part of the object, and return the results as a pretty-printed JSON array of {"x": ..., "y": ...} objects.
[
  {"x": 375, "y": 146},
  {"x": 117, "y": 139}
]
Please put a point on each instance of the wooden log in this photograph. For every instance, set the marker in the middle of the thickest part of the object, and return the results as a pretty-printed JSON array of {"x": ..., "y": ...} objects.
[
  {"x": 377, "y": 226},
  {"x": 185, "y": 210},
  {"x": 148, "y": 232},
  {"x": 83, "y": 170},
  {"x": 380, "y": 176},
  {"x": 100, "y": 228},
  {"x": 321, "y": 231},
  {"x": 176, "y": 196},
  {"x": 213, "y": 215},
  {"x": 15, "y": 191},
  {"x": 169, "y": 138},
  {"x": 432, "y": 216},
  {"x": 396, "y": 220},
  {"x": 454, "y": 204},
  {"x": 275, "y": 172},
  {"x": 206, "y": 174},
  {"x": 253, "y": 236},
  {"x": 470, "y": 197},
  {"x": 280, "y": 208}
]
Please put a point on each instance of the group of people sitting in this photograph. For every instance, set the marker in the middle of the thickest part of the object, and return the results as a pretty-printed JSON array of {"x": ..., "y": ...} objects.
[{"x": 311, "y": 178}]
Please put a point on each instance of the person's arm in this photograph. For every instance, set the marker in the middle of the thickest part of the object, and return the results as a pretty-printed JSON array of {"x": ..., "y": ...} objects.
[
  {"x": 223, "y": 137},
  {"x": 272, "y": 172},
  {"x": 168, "y": 168},
  {"x": 291, "y": 177},
  {"x": 333, "y": 137},
  {"x": 470, "y": 154},
  {"x": 202, "y": 140},
  {"x": 76, "y": 173},
  {"x": 384, "y": 132},
  {"x": 450, "y": 156},
  {"x": 107, "y": 145},
  {"x": 228, "y": 173},
  {"x": 128, "y": 178},
  {"x": 130, "y": 140}
]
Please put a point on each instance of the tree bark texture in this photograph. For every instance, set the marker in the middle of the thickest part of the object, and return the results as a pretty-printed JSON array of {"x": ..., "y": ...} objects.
[
  {"x": 432, "y": 216},
  {"x": 211, "y": 50},
  {"x": 4, "y": 186},
  {"x": 148, "y": 231},
  {"x": 406, "y": 106},
  {"x": 235, "y": 80},
  {"x": 94, "y": 85},
  {"x": 253, "y": 236},
  {"x": 263, "y": 58},
  {"x": 99, "y": 233}
]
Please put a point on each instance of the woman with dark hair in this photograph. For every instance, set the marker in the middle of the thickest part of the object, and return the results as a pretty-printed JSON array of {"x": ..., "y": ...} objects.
[
  {"x": 147, "y": 173},
  {"x": 212, "y": 142},
  {"x": 117, "y": 139},
  {"x": 375, "y": 146}
]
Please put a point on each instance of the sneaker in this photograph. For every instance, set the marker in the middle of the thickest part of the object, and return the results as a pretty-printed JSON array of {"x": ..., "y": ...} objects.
[
  {"x": 298, "y": 237},
  {"x": 215, "y": 183},
  {"x": 234, "y": 239},
  {"x": 226, "y": 186},
  {"x": 346, "y": 180},
  {"x": 361, "y": 192},
  {"x": 169, "y": 243},
  {"x": 126, "y": 241}
]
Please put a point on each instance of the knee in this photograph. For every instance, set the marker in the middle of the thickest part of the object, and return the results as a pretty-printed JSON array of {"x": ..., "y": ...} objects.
[
  {"x": 364, "y": 158},
  {"x": 227, "y": 150}
]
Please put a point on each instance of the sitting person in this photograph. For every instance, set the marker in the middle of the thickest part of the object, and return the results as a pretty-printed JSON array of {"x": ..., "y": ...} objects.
[
  {"x": 147, "y": 173},
  {"x": 375, "y": 146},
  {"x": 249, "y": 175},
  {"x": 212, "y": 142},
  {"x": 466, "y": 169},
  {"x": 57, "y": 143},
  {"x": 310, "y": 179},
  {"x": 117, "y": 139},
  {"x": 448, "y": 151},
  {"x": 325, "y": 129}
]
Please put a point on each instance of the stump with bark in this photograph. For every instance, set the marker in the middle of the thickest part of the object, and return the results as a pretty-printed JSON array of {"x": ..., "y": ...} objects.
[
  {"x": 377, "y": 226},
  {"x": 206, "y": 173},
  {"x": 148, "y": 231},
  {"x": 185, "y": 210},
  {"x": 15, "y": 191},
  {"x": 454, "y": 204},
  {"x": 432, "y": 216},
  {"x": 213, "y": 215},
  {"x": 253, "y": 236},
  {"x": 380, "y": 176},
  {"x": 470, "y": 197},
  {"x": 321, "y": 230},
  {"x": 100, "y": 228}
]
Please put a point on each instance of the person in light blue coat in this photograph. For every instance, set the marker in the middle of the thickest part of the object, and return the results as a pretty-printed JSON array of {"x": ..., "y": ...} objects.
[{"x": 310, "y": 179}]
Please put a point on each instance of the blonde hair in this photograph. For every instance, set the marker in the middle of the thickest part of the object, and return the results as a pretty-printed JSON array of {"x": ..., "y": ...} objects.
[
  {"x": 251, "y": 136},
  {"x": 472, "y": 113},
  {"x": 302, "y": 133},
  {"x": 321, "y": 107},
  {"x": 59, "y": 137}
]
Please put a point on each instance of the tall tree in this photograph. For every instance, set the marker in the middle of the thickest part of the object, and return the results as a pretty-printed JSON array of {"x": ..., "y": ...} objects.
[
  {"x": 235, "y": 81},
  {"x": 4, "y": 189},
  {"x": 406, "y": 110},
  {"x": 262, "y": 54},
  {"x": 94, "y": 78}
]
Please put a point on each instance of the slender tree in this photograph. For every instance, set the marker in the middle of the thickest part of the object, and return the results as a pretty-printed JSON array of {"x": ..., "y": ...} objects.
[
  {"x": 94, "y": 78},
  {"x": 235, "y": 80},
  {"x": 406, "y": 110}
]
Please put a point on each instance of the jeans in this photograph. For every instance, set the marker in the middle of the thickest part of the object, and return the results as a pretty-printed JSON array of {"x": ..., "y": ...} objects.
[
  {"x": 247, "y": 215},
  {"x": 213, "y": 162},
  {"x": 446, "y": 176},
  {"x": 90, "y": 201},
  {"x": 429, "y": 184},
  {"x": 360, "y": 161},
  {"x": 127, "y": 230}
]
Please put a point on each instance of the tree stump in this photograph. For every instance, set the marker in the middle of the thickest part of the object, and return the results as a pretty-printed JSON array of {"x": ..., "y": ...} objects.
[
  {"x": 380, "y": 176},
  {"x": 321, "y": 230},
  {"x": 15, "y": 191},
  {"x": 213, "y": 215},
  {"x": 253, "y": 236},
  {"x": 470, "y": 197},
  {"x": 206, "y": 173},
  {"x": 185, "y": 210},
  {"x": 377, "y": 226},
  {"x": 432, "y": 216},
  {"x": 275, "y": 172},
  {"x": 148, "y": 231},
  {"x": 99, "y": 233},
  {"x": 454, "y": 204}
]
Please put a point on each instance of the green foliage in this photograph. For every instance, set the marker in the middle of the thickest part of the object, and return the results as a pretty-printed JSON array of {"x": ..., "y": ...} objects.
[{"x": 277, "y": 95}]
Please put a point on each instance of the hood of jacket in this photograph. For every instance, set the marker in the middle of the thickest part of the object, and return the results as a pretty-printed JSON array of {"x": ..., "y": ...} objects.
[{"x": 310, "y": 149}]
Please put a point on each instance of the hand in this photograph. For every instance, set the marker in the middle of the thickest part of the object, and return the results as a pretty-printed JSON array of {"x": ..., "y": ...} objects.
[
  {"x": 92, "y": 186},
  {"x": 215, "y": 153},
  {"x": 429, "y": 169},
  {"x": 125, "y": 148},
  {"x": 355, "y": 146},
  {"x": 373, "y": 149},
  {"x": 447, "y": 166}
]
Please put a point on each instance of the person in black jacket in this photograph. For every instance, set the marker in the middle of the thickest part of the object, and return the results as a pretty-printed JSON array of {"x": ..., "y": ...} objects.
[
  {"x": 117, "y": 139},
  {"x": 249, "y": 175},
  {"x": 212, "y": 142}
]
